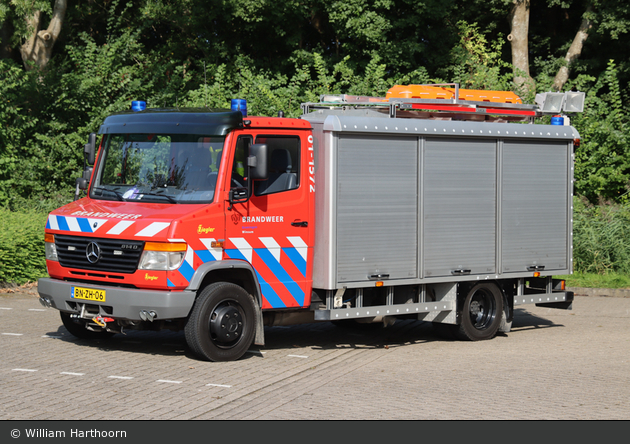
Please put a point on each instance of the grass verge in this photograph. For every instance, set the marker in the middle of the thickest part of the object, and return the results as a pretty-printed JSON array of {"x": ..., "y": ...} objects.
[{"x": 594, "y": 280}]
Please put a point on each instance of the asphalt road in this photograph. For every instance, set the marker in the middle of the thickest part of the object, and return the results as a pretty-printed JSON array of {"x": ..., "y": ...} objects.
[{"x": 554, "y": 364}]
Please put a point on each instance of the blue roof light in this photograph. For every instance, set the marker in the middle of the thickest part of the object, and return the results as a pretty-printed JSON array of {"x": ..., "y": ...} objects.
[
  {"x": 240, "y": 105},
  {"x": 138, "y": 105}
]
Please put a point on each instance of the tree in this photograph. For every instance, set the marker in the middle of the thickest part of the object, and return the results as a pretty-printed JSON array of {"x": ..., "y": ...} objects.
[
  {"x": 22, "y": 24},
  {"x": 39, "y": 44},
  {"x": 575, "y": 50},
  {"x": 518, "y": 38}
]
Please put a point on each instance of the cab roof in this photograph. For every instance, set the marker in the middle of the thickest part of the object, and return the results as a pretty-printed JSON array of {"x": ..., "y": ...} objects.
[{"x": 214, "y": 122}]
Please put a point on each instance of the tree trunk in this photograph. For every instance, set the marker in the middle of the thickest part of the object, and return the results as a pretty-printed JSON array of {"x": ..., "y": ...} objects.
[
  {"x": 6, "y": 31},
  {"x": 518, "y": 38},
  {"x": 38, "y": 46},
  {"x": 574, "y": 52}
]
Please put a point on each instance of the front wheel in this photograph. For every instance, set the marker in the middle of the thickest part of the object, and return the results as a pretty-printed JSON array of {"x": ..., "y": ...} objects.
[
  {"x": 221, "y": 325},
  {"x": 481, "y": 313}
]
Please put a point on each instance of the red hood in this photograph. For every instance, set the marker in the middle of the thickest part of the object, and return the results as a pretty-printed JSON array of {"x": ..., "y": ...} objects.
[{"x": 119, "y": 219}]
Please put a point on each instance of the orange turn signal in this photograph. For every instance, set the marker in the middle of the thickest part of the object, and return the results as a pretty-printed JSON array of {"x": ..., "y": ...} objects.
[
  {"x": 49, "y": 238},
  {"x": 165, "y": 246}
]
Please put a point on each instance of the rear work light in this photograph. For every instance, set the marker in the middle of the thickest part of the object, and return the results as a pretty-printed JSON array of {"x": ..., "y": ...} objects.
[{"x": 163, "y": 256}]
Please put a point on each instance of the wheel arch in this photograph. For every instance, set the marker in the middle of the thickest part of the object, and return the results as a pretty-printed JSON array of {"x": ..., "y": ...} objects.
[{"x": 237, "y": 272}]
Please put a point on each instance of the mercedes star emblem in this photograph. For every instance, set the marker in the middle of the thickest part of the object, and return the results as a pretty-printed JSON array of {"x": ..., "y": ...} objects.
[{"x": 93, "y": 252}]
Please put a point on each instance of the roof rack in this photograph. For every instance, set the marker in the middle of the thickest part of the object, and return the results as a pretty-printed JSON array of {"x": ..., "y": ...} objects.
[{"x": 437, "y": 101}]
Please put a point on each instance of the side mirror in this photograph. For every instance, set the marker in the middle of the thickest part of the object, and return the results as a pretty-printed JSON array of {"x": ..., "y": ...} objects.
[
  {"x": 81, "y": 183},
  {"x": 257, "y": 161},
  {"x": 90, "y": 149}
]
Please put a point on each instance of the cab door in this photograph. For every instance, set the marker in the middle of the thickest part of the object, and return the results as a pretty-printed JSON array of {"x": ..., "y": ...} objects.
[{"x": 273, "y": 229}]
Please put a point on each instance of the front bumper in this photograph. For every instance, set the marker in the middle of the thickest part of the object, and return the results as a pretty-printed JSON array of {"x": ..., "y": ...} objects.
[{"x": 120, "y": 303}]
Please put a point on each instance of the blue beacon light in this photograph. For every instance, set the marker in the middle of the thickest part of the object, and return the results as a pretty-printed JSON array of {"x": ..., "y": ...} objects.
[
  {"x": 240, "y": 105},
  {"x": 138, "y": 105},
  {"x": 557, "y": 120}
]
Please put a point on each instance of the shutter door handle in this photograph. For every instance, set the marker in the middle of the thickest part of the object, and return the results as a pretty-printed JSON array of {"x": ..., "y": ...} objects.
[
  {"x": 460, "y": 272},
  {"x": 300, "y": 224}
]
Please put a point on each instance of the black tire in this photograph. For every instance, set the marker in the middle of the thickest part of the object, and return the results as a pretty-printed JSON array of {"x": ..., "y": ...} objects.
[
  {"x": 76, "y": 327},
  {"x": 481, "y": 314},
  {"x": 221, "y": 325}
]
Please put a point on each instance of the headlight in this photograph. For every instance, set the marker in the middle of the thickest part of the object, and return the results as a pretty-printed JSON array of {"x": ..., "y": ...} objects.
[
  {"x": 51, "y": 248},
  {"x": 162, "y": 256}
]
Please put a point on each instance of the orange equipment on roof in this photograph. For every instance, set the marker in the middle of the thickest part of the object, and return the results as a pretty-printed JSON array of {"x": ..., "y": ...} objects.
[{"x": 439, "y": 92}]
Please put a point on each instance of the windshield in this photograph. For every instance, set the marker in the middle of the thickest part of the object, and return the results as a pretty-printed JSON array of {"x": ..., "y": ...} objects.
[{"x": 175, "y": 168}]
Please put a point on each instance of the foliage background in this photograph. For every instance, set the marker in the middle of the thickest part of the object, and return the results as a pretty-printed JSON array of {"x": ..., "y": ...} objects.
[{"x": 280, "y": 54}]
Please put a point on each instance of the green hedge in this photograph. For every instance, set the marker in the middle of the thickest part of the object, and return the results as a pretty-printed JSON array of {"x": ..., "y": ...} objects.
[
  {"x": 22, "y": 257},
  {"x": 601, "y": 238},
  {"x": 601, "y": 241}
]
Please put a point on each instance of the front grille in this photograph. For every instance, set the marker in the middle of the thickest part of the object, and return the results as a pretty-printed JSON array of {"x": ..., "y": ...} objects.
[{"x": 114, "y": 258}]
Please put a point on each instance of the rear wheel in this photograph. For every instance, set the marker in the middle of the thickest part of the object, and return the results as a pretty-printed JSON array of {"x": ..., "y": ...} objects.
[
  {"x": 221, "y": 324},
  {"x": 76, "y": 327},
  {"x": 481, "y": 313}
]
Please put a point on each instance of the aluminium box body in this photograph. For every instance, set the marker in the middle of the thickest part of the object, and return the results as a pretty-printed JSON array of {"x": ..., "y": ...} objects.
[{"x": 410, "y": 201}]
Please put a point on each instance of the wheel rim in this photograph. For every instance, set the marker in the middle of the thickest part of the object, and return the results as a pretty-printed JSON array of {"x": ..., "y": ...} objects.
[
  {"x": 482, "y": 309},
  {"x": 226, "y": 324}
]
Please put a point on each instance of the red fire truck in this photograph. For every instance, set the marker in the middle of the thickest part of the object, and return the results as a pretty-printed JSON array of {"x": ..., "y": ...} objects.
[{"x": 433, "y": 203}]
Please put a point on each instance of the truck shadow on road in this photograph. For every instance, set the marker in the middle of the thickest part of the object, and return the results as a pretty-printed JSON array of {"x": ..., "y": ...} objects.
[
  {"x": 163, "y": 343},
  {"x": 315, "y": 336},
  {"x": 525, "y": 320}
]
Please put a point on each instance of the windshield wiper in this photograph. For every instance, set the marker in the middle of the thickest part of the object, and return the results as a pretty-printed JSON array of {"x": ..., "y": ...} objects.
[
  {"x": 117, "y": 193},
  {"x": 166, "y": 196}
]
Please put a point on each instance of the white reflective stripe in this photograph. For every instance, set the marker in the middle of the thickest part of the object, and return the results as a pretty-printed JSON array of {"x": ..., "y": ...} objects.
[
  {"x": 53, "y": 222},
  {"x": 95, "y": 224},
  {"x": 190, "y": 256},
  {"x": 121, "y": 226},
  {"x": 243, "y": 246},
  {"x": 217, "y": 253},
  {"x": 153, "y": 229},
  {"x": 73, "y": 225},
  {"x": 299, "y": 245},
  {"x": 272, "y": 246}
]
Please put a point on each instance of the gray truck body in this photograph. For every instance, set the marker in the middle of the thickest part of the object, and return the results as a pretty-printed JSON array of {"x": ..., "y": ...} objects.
[{"x": 434, "y": 203}]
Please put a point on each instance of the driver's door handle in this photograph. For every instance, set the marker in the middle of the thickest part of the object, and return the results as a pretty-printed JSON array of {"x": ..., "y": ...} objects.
[{"x": 300, "y": 224}]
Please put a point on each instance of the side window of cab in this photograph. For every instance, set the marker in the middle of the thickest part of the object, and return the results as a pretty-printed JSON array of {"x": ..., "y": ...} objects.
[
  {"x": 239, "y": 179},
  {"x": 284, "y": 165}
]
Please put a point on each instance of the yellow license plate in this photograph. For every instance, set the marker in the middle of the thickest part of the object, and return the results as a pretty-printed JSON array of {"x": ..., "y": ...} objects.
[{"x": 88, "y": 294}]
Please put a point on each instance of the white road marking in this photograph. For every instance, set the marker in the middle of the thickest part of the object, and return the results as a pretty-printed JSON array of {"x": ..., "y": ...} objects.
[
  {"x": 298, "y": 356},
  {"x": 36, "y": 309},
  {"x": 218, "y": 385},
  {"x": 13, "y": 334},
  {"x": 120, "y": 377},
  {"x": 5, "y": 308},
  {"x": 72, "y": 373},
  {"x": 169, "y": 382},
  {"x": 24, "y": 370},
  {"x": 52, "y": 337}
]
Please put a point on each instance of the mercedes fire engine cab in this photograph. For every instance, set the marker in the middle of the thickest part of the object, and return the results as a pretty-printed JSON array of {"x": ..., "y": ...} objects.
[{"x": 433, "y": 203}]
